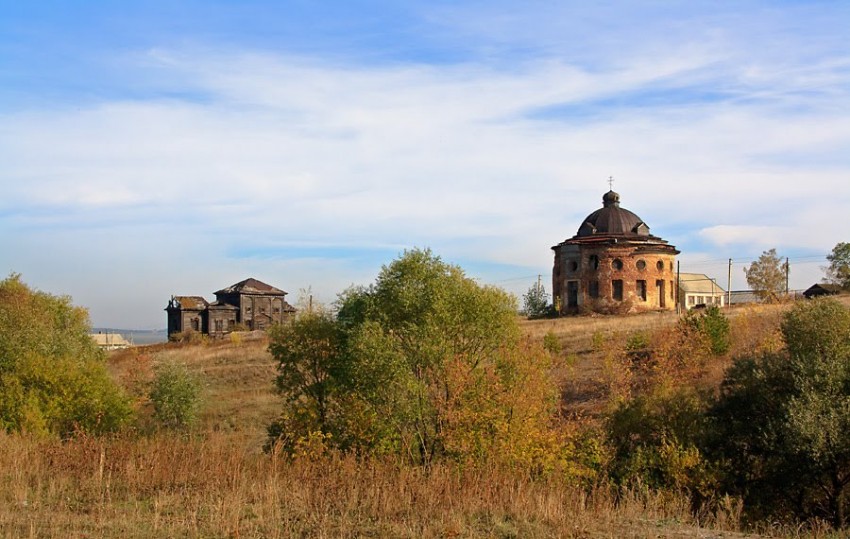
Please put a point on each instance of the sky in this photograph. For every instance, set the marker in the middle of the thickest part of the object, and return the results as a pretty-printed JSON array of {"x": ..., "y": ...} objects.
[{"x": 159, "y": 148}]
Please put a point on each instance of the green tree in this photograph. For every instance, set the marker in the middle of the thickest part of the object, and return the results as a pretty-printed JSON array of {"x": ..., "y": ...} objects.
[
  {"x": 176, "y": 396},
  {"x": 52, "y": 375},
  {"x": 782, "y": 421},
  {"x": 766, "y": 276},
  {"x": 309, "y": 352},
  {"x": 838, "y": 271},
  {"x": 535, "y": 302},
  {"x": 419, "y": 317},
  {"x": 424, "y": 363}
]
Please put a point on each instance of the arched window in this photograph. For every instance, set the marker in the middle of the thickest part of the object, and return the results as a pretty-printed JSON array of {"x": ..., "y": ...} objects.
[{"x": 617, "y": 264}]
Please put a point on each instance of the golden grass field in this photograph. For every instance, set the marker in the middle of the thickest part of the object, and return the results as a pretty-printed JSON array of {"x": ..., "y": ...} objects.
[{"x": 217, "y": 482}]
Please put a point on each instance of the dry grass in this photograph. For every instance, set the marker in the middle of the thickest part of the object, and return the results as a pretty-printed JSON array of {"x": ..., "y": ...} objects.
[
  {"x": 238, "y": 382},
  {"x": 217, "y": 483},
  {"x": 211, "y": 487}
]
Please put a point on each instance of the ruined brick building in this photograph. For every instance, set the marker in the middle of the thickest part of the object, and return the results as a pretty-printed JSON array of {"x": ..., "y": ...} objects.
[
  {"x": 248, "y": 304},
  {"x": 614, "y": 265}
]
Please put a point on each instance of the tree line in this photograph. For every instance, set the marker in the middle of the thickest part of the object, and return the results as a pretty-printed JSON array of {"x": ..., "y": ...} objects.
[{"x": 426, "y": 365}]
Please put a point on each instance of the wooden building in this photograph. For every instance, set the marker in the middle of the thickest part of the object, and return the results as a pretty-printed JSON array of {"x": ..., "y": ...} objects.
[{"x": 247, "y": 305}]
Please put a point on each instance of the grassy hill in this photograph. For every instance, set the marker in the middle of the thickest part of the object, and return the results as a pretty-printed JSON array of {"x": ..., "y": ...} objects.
[{"x": 217, "y": 482}]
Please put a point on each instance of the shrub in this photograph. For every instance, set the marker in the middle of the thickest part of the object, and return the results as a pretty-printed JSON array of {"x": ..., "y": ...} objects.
[
  {"x": 176, "y": 396},
  {"x": 656, "y": 440},
  {"x": 52, "y": 375},
  {"x": 638, "y": 346},
  {"x": 712, "y": 324},
  {"x": 551, "y": 343},
  {"x": 782, "y": 421}
]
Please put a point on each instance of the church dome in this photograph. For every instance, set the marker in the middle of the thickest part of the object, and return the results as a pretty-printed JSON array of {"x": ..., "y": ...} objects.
[{"x": 611, "y": 219}]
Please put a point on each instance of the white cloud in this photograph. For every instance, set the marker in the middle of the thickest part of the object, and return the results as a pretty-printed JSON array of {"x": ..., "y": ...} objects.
[{"x": 282, "y": 150}]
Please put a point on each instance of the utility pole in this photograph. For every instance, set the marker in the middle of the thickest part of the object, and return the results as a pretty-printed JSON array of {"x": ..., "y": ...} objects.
[
  {"x": 787, "y": 270},
  {"x": 729, "y": 286},
  {"x": 678, "y": 276}
]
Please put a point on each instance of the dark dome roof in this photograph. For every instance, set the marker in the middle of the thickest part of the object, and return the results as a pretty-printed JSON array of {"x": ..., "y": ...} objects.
[{"x": 612, "y": 219}]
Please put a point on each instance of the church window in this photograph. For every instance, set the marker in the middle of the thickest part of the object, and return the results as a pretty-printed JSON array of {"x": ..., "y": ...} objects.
[
  {"x": 573, "y": 265},
  {"x": 617, "y": 289},
  {"x": 641, "y": 289},
  {"x": 641, "y": 264},
  {"x": 660, "y": 265},
  {"x": 594, "y": 262},
  {"x": 593, "y": 289},
  {"x": 618, "y": 264}
]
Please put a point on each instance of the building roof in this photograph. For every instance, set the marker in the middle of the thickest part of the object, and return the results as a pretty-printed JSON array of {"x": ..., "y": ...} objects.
[
  {"x": 613, "y": 224},
  {"x": 736, "y": 297},
  {"x": 252, "y": 286},
  {"x": 220, "y": 305},
  {"x": 699, "y": 283},
  {"x": 194, "y": 303},
  {"x": 111, "y": 340},
  {"x": 611, "y": 219},
  {"x": 823, "y": 288}
]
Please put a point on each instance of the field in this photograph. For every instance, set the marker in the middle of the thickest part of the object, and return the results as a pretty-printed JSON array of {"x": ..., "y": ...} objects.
[{"x": 217, "y": 481}]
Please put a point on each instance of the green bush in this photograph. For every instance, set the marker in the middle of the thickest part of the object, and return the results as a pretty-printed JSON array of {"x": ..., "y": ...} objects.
[
  {"x": 638, "y": 346},
  {"x": 176, "y": 396},
  {"x": 53, "y": 379},
  {"x": 425, "y": 364},
  {"x": 656, "y": 440},
  {"x": 782, "y": 421},
  {"x": 713, "y": 325},
  {"x": 551, "y": 343}
]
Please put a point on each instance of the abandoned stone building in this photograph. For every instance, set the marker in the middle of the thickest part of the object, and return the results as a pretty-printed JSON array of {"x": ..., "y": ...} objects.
[
  {"x": 248, "y": 305},
  {"x": 614, "y": 265}
]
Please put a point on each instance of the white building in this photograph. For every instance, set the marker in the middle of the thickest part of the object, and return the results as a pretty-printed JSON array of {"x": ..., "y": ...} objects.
[
  {"x": 699, "y": 289},
  {"x": 110, "y": 341}
]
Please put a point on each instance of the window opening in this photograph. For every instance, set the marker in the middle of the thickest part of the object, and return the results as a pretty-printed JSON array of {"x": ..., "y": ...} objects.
[{"x": 617, "y": 289}]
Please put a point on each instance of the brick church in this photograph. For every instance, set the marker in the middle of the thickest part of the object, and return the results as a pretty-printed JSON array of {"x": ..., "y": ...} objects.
[{"x": 614, "y": 265}]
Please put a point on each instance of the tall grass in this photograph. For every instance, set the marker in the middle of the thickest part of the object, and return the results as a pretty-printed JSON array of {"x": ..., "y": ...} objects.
[{"x": 168, "y": 486}]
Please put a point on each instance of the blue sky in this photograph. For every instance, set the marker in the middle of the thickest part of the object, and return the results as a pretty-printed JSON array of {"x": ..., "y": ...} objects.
[{"x": 157, "y": 148}]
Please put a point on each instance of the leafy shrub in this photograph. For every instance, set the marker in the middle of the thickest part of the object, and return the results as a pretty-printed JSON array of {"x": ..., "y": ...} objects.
[
  {"x": 52, "y": 375},
  {"x": 713, "y": 325},
  {"x": 638, "y": 346},
  {"x": 656, "y": 440},
  {"x": 176, "y": 396},
  {"x": 782, "y": 421},
  {"x": 426, "y": 364},
  {"x": 551, "y": 343}
]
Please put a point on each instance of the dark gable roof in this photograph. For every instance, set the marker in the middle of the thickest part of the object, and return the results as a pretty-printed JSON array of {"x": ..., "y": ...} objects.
[
  {"x": 823, "y": 288},
  {"x": 252, "y": 286}
]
